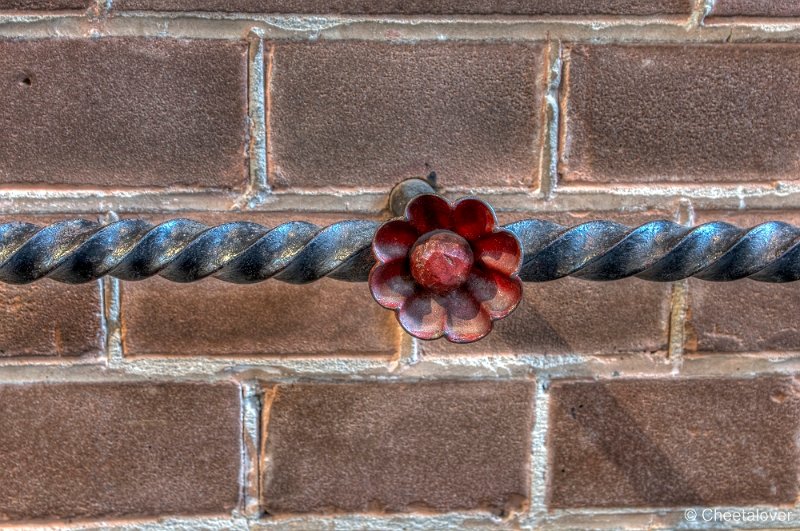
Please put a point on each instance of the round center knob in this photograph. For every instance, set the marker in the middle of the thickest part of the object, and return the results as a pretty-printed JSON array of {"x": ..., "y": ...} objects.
[{"x": 441, "y": 261}]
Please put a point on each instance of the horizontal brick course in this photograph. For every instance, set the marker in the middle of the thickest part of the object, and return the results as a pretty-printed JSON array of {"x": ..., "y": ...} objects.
[
  {"x": 756, "y": 8},
  {"x": 398, "y": 447},
  {"x": 355, "y": 113},
  {"x": 123, "y": 112},
  {"x": 743, "y": 316},
  {"x": 44, "y": 5},
  {"x": 421, "y": 7},
  {"x": 674, "y": 443},
  {"x": 105, "y": 450},
  {"x": 574, "y": 316},
  {"x": 211, "y": 317},
  {"x": 694, "y": 114}
]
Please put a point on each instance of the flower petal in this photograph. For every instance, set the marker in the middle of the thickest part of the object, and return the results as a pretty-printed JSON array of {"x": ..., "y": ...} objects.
[
  {"x": 423, "y": 316},
  {"x": 393, "y": 240},
  {"x": 472, "y": 218},
  {"x": 391, "y": 284},
  {"x": 497, "y": 293},
  {"x": 429, "y": 212},
  {"x": 467, "y": 320},
  {"x": 500, "y": 252}
]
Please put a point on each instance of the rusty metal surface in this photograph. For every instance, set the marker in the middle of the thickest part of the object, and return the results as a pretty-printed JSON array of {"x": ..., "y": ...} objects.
[
  {"x": 446, "y": 269},
  {"x": 182, "y": 250}
]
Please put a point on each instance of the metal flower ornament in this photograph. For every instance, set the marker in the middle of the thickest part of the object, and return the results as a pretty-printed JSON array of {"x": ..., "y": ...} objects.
[{"x": 446, "y": 269}]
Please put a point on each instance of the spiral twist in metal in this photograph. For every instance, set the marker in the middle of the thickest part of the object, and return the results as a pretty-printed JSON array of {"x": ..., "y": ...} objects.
[
  {"x": 298, "y": 252},
  {"x": 659, "y": 250},
  {"x": 183, "y": 250}
]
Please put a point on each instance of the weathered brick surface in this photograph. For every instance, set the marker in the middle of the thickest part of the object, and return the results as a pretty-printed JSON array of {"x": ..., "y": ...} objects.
[
  {"x": 573, "y": 316},
  {"x": 398, "y": 447},
  {"x": 110, "y": 449},
  {"x": 672, "y": 443},
  {"x": 695, "y": 114},
  {"x": 123, "y": 112},
  {"x": 748, "y": 8},
  {"x": 421, "y": 7},
  {"x": 45, "y": 5},
  {"x": 369, "y": 114},
  {"x": 211, "y": 317},
  {"x": 743, "y": 316},
  {"x": 363, "y": 427},
  {"x": 48, "y": 318}
]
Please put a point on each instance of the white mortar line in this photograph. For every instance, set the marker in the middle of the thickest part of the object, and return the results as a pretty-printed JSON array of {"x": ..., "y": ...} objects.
[
  {"x": 700, "y": 10},
  {"x": 539, "y": 465},
  {"x": 251, "y": 448},
  {"x": 679, "y": 29},
  {"x": 548, "y": 167},
  {"x": 104, "y": 293},
  {"x": 112, "y": 327},
  {"x": 257, "y": 114},
  {"x": 269, "y": 170},
  {"x": 268, "y": 395},
  {"x": 677, "y": 324},
  {"x": 399, "y": 522},
  {"x": 121, "y": 201},
  {"x": 113, "y": 305},
  {"x": 408, "y": 352},
  {"x": 445, "y": 367},
  {"x": 679, "y": 302},
  {"x": 373, "y": 201},
  {"x": 633, "y": 518},
  {"x": 207, "y": 523}
]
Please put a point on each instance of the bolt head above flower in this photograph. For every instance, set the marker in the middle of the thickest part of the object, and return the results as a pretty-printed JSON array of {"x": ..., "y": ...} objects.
[{"x": 447, "y": 270}]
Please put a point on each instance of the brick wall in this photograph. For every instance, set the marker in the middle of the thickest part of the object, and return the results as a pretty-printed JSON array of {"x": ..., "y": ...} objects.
[{"x": 151, "y": 404}]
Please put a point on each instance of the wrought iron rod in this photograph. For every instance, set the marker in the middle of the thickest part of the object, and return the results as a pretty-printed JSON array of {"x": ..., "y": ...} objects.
[{"x": 298, "y": 252}]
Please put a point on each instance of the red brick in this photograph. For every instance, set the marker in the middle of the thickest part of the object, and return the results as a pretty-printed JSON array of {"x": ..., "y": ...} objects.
[
  {"x": 671, "y": 443},
  {"x": 123, "y": 112},
  {"x": 694, "y": 114},
  {"x": 83, "y": 450},
  {"x": 573, "y": 316},
  {"x": 211, "y": 317},
  {"x": 44, "y": 5},
  {"x": 756, "y": 8},
  {"x": 48, "y": 318},
  {"x": 369, "y": 114},
  {"x": 420, "y": 7},
  {"x": 743, "y": 316},
  {"x": 398, "y": 447}
]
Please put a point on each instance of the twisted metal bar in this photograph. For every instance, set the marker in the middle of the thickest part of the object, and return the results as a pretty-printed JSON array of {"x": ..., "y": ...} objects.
[
  {"x": 183, "y": 250},
  {"x": 660, "y": 251}
]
